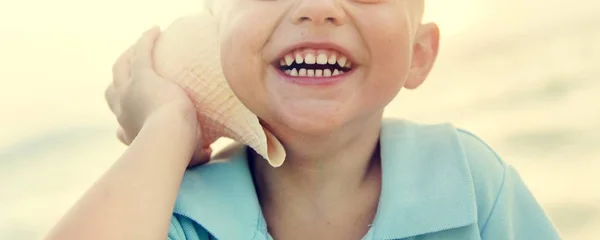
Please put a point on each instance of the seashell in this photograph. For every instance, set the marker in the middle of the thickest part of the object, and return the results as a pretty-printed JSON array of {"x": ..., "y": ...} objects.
[{"x": 188, "y": 53}]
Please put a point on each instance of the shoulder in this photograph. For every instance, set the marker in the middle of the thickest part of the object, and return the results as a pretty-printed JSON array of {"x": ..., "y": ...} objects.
[
  {"x": 453, "y": 151},
  {"x": 487, "y": 190},
  {"x": 486, "y": 166},
  {"x": 458, "y": 144},
  {"x": 488, "y": 172},
  {"x": 506, "y": 206}
]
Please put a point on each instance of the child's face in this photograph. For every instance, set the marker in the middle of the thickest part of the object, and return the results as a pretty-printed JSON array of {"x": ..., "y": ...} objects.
[{"x": 383, "y": 40}]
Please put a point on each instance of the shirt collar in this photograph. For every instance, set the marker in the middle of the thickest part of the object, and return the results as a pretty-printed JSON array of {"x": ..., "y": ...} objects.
[{"x": 426, "y": 187}]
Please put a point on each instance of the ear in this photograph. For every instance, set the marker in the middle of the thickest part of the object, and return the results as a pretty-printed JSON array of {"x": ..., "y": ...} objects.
[{"x": 425, "y": 51}]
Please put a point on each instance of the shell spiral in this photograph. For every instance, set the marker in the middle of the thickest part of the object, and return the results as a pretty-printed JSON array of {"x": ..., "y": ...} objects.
[{"x": 188, "y": 53}]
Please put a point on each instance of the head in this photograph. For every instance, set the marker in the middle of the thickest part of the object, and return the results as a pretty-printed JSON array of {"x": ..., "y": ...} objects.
[{"x": 384, "y": 41}]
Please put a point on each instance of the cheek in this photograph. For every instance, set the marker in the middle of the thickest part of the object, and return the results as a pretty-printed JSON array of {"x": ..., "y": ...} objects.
[
  {"x": 390, "y": 45},
  {"x": 387, "y": 36},
  {"x": 387, "y": 77},
  {"x": 236, "y": 65},
  {"x": 390, "y": 52},
  {"x": 381, "y": 90},
  {"x": 239, "y": 67},
  {"x": 242, "y": 39}
]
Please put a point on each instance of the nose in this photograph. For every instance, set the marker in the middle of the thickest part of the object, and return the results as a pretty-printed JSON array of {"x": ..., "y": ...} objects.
[{"x": 318, "y": 12}]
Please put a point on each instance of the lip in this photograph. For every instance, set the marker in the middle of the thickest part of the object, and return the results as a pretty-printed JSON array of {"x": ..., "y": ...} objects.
[
  {"x": 315, "y": 45},
  {"x": 314, "y": 81}
]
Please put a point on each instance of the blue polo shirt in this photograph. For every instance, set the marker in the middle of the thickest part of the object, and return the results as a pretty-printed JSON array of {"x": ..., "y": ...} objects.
[{"x": 438, "y": 182}]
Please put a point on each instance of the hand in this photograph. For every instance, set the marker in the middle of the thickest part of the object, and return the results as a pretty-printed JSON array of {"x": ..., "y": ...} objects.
[{"x": 138, "y": 93}]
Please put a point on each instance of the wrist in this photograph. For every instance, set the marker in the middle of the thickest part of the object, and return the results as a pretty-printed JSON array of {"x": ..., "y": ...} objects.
[
  {"x": 183, "y": 113},
  {"x": 174, "y": 129}
]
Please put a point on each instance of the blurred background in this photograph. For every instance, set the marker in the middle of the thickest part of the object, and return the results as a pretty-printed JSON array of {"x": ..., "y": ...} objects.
[{"x": 523, "y": 75}]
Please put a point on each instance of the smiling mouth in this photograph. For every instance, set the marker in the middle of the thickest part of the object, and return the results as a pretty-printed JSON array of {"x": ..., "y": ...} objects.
[{"x": 317, "y": 63}]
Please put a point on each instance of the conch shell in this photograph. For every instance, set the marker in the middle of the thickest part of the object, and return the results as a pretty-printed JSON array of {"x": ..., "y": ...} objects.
[{"x": 188, "y": 53}]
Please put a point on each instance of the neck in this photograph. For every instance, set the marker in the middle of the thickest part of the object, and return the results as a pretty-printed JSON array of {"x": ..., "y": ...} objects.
[{"x": 322, "y": 170}]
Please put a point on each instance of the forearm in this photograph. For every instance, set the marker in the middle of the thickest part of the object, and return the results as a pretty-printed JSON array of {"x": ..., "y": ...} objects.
[{"x": 134, "y": 199}]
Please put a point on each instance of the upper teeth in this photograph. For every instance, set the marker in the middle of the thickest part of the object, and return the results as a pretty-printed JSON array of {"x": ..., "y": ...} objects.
[{"x": 314, "y": 57}]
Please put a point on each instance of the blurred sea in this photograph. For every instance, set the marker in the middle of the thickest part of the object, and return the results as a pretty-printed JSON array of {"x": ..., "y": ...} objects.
[{"x": 523, "y": 75}]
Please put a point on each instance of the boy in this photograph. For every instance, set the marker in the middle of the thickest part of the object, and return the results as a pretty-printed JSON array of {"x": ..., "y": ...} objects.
[{"x": 318, "y": 73}]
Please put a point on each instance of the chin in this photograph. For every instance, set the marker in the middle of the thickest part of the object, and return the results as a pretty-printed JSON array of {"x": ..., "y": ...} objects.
[{"x": 308, "y": 122}]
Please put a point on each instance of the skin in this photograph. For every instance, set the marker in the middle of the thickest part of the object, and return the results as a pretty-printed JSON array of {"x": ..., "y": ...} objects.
[
  {"x": 158, "y": 122},
  {"x": 330, "y": 182}
]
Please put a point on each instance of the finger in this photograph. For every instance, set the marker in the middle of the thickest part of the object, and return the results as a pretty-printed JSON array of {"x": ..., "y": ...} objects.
[
  {"x": 122, "y": 137},
  {"x": 142, "y": 57},
  {"x": 121, "y": 68},
  {"x": 201, "y": 157},
  {"x": 110, "y": 95}
]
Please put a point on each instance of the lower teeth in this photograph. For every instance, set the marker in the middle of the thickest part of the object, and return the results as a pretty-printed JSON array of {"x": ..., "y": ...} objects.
[{"x": 313, "y": 72}]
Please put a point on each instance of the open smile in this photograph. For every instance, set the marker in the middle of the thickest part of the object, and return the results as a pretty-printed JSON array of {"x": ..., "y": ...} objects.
[
  {"x": 314, "y": 66},
  {"x": 314, "y": 63}
]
